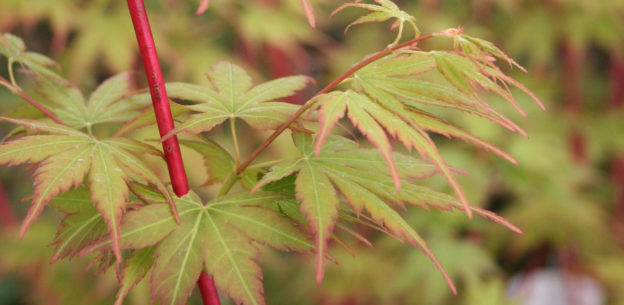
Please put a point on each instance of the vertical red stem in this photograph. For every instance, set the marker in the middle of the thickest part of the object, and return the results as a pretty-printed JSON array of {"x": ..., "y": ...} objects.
[
  {"x": 207, "y": 289},
  {"x": 159, "y": 96},
  {"x": 165, "y": 120}
]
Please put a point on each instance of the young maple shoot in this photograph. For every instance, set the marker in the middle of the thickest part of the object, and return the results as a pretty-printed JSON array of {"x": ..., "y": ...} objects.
[{"x": 295, "y": 203}]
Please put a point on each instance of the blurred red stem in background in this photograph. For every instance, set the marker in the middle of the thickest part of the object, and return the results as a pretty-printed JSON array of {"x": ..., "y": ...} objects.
[
  {"x": 571, "y": 82},
  {"x": 7, "y": 214},
  {"x": 616, "y": 101},
  {"x": 616, "y": 80},
  {"x": 164, "y": 119}
]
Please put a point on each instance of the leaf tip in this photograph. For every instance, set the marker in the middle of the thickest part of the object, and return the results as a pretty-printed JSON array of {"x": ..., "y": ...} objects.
[
  {"x": 203, "y": 6},
  {"x": 309, "y": 12}
]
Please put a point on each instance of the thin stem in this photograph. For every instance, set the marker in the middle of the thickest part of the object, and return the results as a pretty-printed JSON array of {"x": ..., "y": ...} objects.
[
  {"x": 17, "y": 90},
  {"x": 228, "y": 184},
  {"x": 237, "y": 155},
  {"x": 164, "y": 119},
  {"x": 12, "y": 74},
  {"x": 327, "y": 88},
  {"x": 207, "y": 289}
]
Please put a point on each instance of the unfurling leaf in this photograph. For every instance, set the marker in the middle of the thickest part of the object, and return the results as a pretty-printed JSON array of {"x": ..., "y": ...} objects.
[{"x": 382, "y": 11}]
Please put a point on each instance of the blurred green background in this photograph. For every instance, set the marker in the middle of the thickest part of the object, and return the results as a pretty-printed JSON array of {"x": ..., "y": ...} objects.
[{"x": 567, "y": 193}]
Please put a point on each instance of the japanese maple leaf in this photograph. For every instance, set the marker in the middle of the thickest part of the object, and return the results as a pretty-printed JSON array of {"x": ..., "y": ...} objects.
[
  {"x": 64, "y": 156},
  {"x": 361, "y": 177},
  {"x": 231, "y": 95},
  {"x": 219, "y": 236},
  {"x": 387, "y": 99},
  {"x": 110, "y": 102},
  {"x": 81, "y": 226}
]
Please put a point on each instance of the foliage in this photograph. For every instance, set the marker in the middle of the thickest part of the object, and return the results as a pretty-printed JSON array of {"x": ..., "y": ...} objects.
[{"x": 323, "y": 189}]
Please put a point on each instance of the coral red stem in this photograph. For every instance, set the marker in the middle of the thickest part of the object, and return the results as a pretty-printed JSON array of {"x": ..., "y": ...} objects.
[
  {"x": 159, "y": 95},
  {"x": 165, "y": 120},
  {"x": 207, "y": 288}
]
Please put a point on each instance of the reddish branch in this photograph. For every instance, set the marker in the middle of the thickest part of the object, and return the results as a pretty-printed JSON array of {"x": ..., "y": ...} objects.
[
  {"x": 327, "y": 88},
  {"x": 164, "y": 119},
  {"x": 30, "y": 100}
]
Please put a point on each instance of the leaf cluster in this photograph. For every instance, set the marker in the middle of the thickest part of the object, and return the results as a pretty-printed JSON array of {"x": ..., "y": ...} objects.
[{"x": 123, "y": 213}]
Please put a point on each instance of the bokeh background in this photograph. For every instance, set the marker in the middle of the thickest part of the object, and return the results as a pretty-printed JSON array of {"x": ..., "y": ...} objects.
[{"x": 567, "y": 193}]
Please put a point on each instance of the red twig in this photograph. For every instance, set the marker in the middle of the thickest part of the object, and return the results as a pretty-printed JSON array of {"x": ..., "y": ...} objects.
[
  {"x": 207, "y": 288},
  {"x": 159, "y": 96},
  {"x": 165, "y": 120},
  {"x": 327, "y": 88}
]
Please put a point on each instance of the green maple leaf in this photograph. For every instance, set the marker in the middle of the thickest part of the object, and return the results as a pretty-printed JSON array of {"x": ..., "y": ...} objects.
[
  {"x": 81, "y": 226},
  {"x": 219, "y": 235},
  {"x": 382, "y": 11},
  {"x": 362, "y": 178},
  {"x": 231, "y": 95},
  {"x": 134, "y": 271},
  {"x": 110, "y": 102},
  {"x": 388, "y": 96},
  {"x": 65, "y": 156},
  {"x": 218, "y": 162},
  {"x": 373, "y": 121}
]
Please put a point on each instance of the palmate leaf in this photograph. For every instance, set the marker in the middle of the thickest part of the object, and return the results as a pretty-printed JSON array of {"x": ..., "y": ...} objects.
[
  {"x": 64, "y": 158},
  {"x": 109, "y": 103},
  {"x": 361, "y": 177},
  {"x": 373, "y": 121},
  {"x": 218, "y": 235},
  {"x": 231, "y": 95},
  {"x": 320, "y": 178},
  {"x": 382, "y": 11},
  {"x": 388, "y": 96}
]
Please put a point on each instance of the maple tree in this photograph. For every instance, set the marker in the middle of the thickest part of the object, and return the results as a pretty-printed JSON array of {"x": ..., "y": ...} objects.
[{"x": 120, "y": 204}]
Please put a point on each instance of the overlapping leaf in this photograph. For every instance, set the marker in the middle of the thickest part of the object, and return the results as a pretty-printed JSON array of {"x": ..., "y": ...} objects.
[
  {"x": 80, "y": 227},
  {"x": 217, "y": 236},
  {"x": 388, "y": 97},
  {"x": 109, "y": 103},
  {"x": 64, "y": 158},
  {"x": 361, "y": 177},
  {"x": 373, "y": 121},
  {"x": 231, "y": 95}
]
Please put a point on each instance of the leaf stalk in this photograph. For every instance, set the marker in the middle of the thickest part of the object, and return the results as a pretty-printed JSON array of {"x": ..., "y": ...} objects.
[{"x": 17, "y": 90}]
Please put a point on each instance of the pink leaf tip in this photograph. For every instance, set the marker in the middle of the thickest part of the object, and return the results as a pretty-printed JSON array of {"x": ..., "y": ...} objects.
[
  {"x": 309, "y": 12},
  {"x": 203, "y": 6}
]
